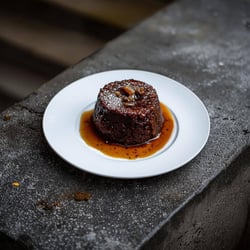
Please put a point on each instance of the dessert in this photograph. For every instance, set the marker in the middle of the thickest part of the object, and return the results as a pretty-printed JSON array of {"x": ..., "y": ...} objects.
[{"x": 128, "y": 112}]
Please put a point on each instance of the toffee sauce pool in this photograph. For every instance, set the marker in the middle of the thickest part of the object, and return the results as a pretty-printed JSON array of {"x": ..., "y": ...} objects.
[{"x": 93, "y": 139}]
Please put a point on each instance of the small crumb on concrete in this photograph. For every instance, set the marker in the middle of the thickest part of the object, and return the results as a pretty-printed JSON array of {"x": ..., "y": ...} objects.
[
  {"x": 82, "y": 196},
  {"x": 15, "y": 184},
  {"x": 6, "y": 117}
]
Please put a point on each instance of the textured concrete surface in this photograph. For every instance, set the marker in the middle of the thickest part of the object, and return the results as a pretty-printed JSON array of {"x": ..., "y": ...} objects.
[{"x": 204, "y": 205}]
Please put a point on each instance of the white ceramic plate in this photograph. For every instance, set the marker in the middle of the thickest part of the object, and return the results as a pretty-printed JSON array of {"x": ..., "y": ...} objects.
[{"x": 62, "y": 117}]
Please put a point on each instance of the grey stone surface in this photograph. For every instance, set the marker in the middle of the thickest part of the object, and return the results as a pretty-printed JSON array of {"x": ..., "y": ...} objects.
[{"x": 205, "y": 205}]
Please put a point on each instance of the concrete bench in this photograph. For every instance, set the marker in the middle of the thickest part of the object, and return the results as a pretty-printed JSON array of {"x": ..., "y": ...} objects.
[{"x": 204, "y": 205}]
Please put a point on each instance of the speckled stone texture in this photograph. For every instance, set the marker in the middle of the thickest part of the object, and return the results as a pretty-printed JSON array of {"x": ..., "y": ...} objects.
[{"x": 204, "y": 205}]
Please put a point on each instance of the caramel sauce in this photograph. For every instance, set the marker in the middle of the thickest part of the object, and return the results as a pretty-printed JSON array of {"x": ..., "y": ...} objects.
[{"x": 93, "y": 139}]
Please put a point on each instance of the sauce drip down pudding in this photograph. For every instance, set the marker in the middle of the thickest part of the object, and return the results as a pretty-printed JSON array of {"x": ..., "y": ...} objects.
[{"x": 128, "y": 112}]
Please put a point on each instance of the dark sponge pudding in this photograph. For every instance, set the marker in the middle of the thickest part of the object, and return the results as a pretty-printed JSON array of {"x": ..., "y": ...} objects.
[{"x": 128, "y": 112}]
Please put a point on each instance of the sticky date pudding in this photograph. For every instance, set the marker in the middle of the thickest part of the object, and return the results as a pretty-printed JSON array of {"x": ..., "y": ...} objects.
[{"x": 128, "y": 113}]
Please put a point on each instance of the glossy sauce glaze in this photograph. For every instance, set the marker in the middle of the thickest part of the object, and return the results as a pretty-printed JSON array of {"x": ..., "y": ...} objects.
[{"x": 93, "y": 139}]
